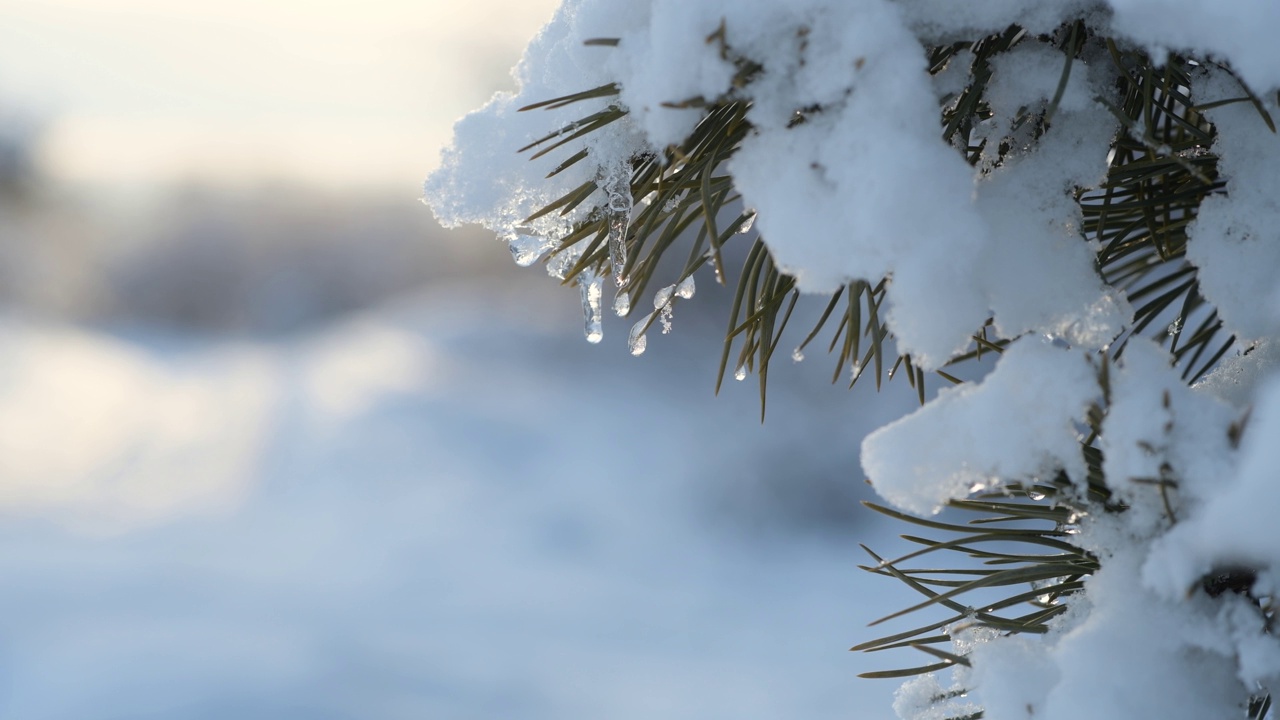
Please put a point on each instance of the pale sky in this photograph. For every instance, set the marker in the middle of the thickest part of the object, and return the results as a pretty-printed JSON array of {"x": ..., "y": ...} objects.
[{"x": 332, "y": 93}]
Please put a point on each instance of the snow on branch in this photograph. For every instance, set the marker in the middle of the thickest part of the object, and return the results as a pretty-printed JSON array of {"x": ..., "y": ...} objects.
[{"x": 1086, "y": 188}]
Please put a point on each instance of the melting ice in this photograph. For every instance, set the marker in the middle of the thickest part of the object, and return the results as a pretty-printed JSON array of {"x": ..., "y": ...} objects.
[
  {"x": 637, "y": 342},
  {"x": 619, "y": 218},
  {"x": 592, "y": 286},
  {"x": 526, "y": 249},
  {"x": 622, "y": 304}
]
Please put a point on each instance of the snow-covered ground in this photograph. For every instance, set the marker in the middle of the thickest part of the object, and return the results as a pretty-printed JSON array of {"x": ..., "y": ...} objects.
[{"x": 448, "y": 507}]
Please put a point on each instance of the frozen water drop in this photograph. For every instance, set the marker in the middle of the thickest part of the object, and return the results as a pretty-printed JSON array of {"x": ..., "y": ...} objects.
[
  {"x": 662, "y": 305},
  {"x": 622, "y": 304},
  {"x": 797, "y": 355},
  {"x": 637, "y": 341},
  {"x": 746, "y": 224},
  {"x": 527, "y": 249},
  {"x": 592, "y": 289},
  {"x": 686, "y": 288},
  {"x": 662, "y": 298},
  {"x": 740, "y": 374},
  {"x": 1175, "y": 327}
]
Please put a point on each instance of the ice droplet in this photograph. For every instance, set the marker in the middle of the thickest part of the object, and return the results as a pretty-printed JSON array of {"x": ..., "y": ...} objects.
[
  {"x": 619, "y": 218},
  {"x": 622, "y": 304},
  {"x": 740, "y": 374},
  {"x": 1175, "y": 327},
  {"x": 686, "y": 288},
  {"x": 746, "y": 224},
  {"x": 527, "y": 249},
  {"x": 592, "y": 287},
  {"x": 797, "y": 355},
  {"x": 637, "y": 341}
]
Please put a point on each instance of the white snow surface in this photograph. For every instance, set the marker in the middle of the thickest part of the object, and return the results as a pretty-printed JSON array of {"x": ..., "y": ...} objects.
[
  {"x": 1159, "y": 430},
  {"x": 1240, "y": 231},
  {"x": 1241, "y": 32},
  {"x": 1233, "y": 529},
  {"x": 1017, "y": 423}
]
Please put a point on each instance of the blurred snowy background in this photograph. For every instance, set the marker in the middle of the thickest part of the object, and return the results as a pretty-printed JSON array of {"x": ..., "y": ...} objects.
[{"x": 273, "y": 445}]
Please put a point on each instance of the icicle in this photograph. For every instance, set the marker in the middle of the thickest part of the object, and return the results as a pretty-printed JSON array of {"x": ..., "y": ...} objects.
[
  {"x": 686, "y": 288},
  {"x": 527, "y": 249},
  {"x": 619, "y": 218},
  {"x": 637, "y": 341},
  {"x": 622, "y": 304},
  {"x": 592, "y": 287}
]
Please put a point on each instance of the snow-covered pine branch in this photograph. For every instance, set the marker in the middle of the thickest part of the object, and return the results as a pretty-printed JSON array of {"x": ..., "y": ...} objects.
[{"x": 1087, "y": 187}]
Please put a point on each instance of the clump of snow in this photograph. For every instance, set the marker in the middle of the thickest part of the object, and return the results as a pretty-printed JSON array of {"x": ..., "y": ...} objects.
[
  {"x": 484, "y": 179},
  {"x": 1236, "y": 526},
  {"x": 1241, "y": 32},
  {"x": 1038, "y": 271},
  {"x": 1120, "y": 661},
  {"x": 1016, "y": 424},
  {"x": 1239, "y": 231},
  {"x": 1020, "y": 659},
  {"x": 1236, "y": 378},
  {"x": 838, "y": 195},
  {"x": 1166, "y": 446},
  {"x": 691, "y": 68},
  {"x": 924, "y": 698}
]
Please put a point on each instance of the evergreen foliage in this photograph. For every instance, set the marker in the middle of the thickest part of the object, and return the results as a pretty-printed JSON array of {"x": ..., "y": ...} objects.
[{"x": 1162, "y": 165}]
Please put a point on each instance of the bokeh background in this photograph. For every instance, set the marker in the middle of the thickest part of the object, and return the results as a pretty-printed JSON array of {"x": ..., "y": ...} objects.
[{"x": 274, "y": 445}]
